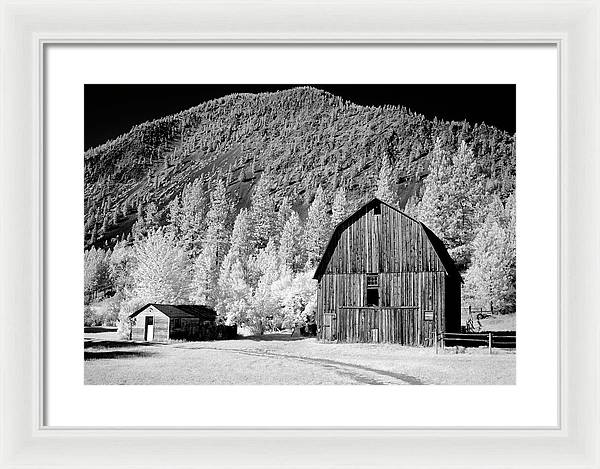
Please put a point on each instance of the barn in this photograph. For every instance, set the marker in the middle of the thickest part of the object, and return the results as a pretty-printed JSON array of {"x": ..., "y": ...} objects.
[
  {"x": 386, "y": 277},
  {"x": 160, "y": 322}
]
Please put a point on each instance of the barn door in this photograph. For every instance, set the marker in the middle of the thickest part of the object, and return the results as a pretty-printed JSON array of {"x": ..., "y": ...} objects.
[
  {"x": 149, "y": 329},
  {"x": 329, "y": 326}
]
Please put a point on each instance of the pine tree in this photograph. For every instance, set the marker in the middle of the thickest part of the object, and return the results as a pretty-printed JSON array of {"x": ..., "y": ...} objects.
[
  {"x": 385, "y": 184},
  {"x": 340, "y": 207},
  {"x": 262, "y": 214},
  {"x": 451, "y": 201},
  {"x": 205, "y": 276},
  {"x": 290, "y": 245},
  {"x": 240, "y": 248},
  {"x": 187, "y": 216},
  {"x": 284, "y": 212},
  {"x": 94, "y": 235},
  {"x": 234, "y": 292},
  {"x": 214, "y": 246},
  {"x": 162, "y": 272},
  {"x": 152, "y": 217},
  {"x": 104, "y": 227},
  {"x": 317, "y": 229}
]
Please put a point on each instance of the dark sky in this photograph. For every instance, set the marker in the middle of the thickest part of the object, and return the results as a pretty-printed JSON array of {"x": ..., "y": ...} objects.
[{"x": 111, "y": 110}]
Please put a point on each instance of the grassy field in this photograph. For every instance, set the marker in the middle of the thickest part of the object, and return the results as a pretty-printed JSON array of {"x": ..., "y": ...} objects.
[
  {"x": 497, "y": 322},
  {"x": 279, "y": 359}
]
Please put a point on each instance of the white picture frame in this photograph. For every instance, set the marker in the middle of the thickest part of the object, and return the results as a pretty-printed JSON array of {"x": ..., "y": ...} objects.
[{"x": 27, "y": 27}]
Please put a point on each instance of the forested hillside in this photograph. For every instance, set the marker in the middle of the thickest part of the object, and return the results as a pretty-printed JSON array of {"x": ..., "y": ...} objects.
[
  {"x": 216, "y": 186},
  {"x": 304, "y": 137}
]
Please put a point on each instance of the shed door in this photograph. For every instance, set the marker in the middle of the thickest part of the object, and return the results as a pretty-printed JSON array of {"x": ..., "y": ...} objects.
[{"x": 149, "y": 329}]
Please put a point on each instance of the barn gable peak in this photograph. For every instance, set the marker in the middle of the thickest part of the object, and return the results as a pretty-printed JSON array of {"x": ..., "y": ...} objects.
[{"x": 436, "y": 243}]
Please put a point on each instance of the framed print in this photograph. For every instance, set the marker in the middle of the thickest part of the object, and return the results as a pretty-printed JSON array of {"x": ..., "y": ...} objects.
[
  {"x": 292, "y": 230},
  {"x": 270, "y": 282}
]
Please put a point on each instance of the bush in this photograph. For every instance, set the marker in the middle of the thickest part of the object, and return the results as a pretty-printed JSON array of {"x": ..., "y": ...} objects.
[
  {"x": 90, "y": 317},
  {"x": 103, "y": 313},
  {"x": 127, "y": 308}
]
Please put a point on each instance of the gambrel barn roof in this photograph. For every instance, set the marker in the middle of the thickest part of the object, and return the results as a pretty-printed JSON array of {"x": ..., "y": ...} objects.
[
  {"x": 204, "y": 313},
  {"x": 436, "y": 243}
]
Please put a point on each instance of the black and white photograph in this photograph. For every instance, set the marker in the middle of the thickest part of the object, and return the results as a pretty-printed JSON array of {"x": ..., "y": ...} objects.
[{"x": 322, "y": 234}]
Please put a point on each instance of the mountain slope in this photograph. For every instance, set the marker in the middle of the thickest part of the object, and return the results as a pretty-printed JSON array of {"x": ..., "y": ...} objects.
[{"x": 303, "y": 137}]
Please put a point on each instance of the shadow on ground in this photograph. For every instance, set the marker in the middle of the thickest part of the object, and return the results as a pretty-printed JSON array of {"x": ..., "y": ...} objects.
[
  {"x": 115, "y": 344},
  {"x": 98, "y": 329},
  {"x": 105, "y": 354},
  {"x": 280, "y": 336}
]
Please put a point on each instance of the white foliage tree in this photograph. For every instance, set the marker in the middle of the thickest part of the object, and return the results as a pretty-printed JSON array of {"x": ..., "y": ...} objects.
[
  {"x": 284, "y": 212},
  {"x": 121, "y": 265},
  {"x": 262, "y": 214},
  {"x": 162, "y": 272},
  {"x": 265, "y": 302},
  {"x": 297, "y": 298},
  {"x": 492, "y": 274},
  {"x": 317, "y": 228},
  {"x": 290, "y": 244},
  {"x": 240, "y": 248},
  {"x": 96, "y": 273},
  {"x": 234, "y": 293}
]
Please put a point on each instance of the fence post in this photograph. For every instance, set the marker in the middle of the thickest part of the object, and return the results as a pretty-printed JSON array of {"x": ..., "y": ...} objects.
[
  {"x": 443, "y": 341},
  {"x": 491, "y": 308},
  {"x": 490, "y": 342},
  {"x": 435, "y": 337}
]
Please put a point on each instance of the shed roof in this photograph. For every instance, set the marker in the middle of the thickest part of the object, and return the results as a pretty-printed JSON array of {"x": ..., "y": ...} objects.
[
  {"x": 204, "y": 313},
  {"x": 436, "y": 242}
]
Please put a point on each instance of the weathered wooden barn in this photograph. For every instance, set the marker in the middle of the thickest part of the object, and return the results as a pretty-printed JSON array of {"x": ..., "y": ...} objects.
[
  {"x": 160, "y": 322},
  {"x": 385, "y": 277}
]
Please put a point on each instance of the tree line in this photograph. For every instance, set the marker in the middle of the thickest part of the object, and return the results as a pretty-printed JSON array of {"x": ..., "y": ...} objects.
[{"x": 255, "y": 265}]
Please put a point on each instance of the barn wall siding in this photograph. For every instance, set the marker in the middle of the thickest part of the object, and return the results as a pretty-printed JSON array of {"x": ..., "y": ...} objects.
[
  {"x": 389, "y": 242},
  {"x": 414, "y": 292},
  {"x": 413, "y": 282}
]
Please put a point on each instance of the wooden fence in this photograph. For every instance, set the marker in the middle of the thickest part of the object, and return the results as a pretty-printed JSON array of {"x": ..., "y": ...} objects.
[
  {"x": 495, "y": 339},
  {"x": 479, "y": 310}
]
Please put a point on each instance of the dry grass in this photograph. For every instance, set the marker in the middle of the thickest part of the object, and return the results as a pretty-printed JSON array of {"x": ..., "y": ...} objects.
[
  {"x": 276, "y": 359},
  {"x": 497, "y": 322}
]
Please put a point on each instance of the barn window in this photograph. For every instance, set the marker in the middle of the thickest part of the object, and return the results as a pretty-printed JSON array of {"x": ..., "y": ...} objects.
[
  {"x": 372, "y": 280},
  {"x": 377, "y": 209},
  {"x": 372, "y": 290},
  {"x": 428, "y": 315},
  {"x": 176, "y": 323}
]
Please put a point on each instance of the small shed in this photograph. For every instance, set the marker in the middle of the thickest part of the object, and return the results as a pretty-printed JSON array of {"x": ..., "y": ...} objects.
[
  {"x": 160, "y": 322},
  {"x": 386, "y": 277}
]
